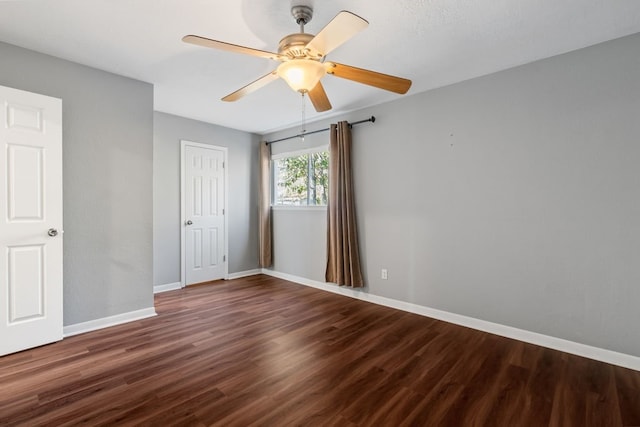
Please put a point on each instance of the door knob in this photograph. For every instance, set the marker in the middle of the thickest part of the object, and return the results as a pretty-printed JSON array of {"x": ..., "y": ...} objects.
[
  {"x": 188, "y": 222},
  {"x": 52, "y": 232}
]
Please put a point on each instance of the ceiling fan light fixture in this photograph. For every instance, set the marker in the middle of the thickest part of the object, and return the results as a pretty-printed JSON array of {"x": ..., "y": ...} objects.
[
  {"x": 302, "y": 59},
  {"x": 301, "y": 75}
]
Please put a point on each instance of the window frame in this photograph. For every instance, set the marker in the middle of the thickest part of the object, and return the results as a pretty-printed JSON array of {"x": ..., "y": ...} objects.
[{"x": 294, "y": 153}]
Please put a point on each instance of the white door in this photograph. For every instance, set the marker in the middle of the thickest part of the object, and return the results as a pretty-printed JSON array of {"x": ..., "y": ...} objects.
[
  {"x": 31, "y": 220},
  {"x": 203, "y": 212}
]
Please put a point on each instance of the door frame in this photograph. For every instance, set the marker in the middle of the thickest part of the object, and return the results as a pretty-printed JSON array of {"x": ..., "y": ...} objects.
[{"x": 183, "y": 146}]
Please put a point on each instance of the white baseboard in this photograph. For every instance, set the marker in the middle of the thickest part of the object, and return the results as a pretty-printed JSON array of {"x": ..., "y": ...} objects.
[
  {"x": 105, "y": 322},
  {"x": 600, "y": 354},
  {"x": 167, "y": 287},
  {"x": 246, "y": 273},
  {"x": 177, "y": 285}
]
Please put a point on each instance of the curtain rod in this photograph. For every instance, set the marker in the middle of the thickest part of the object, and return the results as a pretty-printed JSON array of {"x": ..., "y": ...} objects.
[{"x": 371, "y": 119}]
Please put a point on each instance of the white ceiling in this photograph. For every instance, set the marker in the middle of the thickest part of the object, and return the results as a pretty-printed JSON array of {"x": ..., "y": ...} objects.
[{"x": 432, "y": 42}]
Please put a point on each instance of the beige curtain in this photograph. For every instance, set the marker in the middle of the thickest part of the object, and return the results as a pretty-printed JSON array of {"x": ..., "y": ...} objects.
[
  {"x": 264, "y": 226},
  {"x": 343, "y": 258}
]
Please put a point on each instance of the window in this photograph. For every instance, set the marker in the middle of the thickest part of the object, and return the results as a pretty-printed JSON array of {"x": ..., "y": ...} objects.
[{"x": 301, "y": 178}]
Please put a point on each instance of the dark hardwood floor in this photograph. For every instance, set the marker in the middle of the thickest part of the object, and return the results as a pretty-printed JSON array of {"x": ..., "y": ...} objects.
[{"x": 265, "y": 352}]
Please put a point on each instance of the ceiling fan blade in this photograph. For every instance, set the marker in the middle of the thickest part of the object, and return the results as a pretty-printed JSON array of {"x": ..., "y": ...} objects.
[
  {"x": 216, "y": 44},
  {"x": 368, "y": 77},
  {"x": 319, "y": 98},
  {"x": 251, "y": 87},
  {"x": 340, "y": 29}
]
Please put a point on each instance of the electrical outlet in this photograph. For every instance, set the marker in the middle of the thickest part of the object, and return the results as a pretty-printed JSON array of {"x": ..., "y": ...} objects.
[{"x": 383, "y": 274}]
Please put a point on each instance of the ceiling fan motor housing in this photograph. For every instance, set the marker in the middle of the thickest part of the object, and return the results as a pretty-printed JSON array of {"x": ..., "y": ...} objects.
[{"x": 295, "y": 47}]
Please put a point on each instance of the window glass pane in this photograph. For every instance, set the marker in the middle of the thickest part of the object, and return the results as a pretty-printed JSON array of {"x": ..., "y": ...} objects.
[
  {"x": 319, "y": 182},
  {"x": 291, "y": 180}
]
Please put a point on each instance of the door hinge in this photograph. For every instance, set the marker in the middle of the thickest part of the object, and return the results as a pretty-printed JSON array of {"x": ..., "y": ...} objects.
[
  {"x": 224, "y": 258},
  {"x": 222, "y": 211},
  {"x": 223, "y": 163}
]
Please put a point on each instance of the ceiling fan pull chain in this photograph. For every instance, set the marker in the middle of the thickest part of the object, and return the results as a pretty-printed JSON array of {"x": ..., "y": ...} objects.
[{"x": 302, "y": 124}]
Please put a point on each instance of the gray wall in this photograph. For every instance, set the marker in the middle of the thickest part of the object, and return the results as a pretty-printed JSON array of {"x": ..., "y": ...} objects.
[
  {"x": 512, "y": 198},
  {"x": 107, "y": 178},
  {"x": 242, "y": 207},
  {"x": 299, "y": 242}
]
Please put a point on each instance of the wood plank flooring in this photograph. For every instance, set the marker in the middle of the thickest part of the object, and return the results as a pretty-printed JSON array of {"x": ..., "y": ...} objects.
[{"x": 261, "y": 351}]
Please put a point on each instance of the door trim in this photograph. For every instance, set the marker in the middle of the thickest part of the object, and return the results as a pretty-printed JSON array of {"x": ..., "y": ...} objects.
[{"x": 183, "y": 145}]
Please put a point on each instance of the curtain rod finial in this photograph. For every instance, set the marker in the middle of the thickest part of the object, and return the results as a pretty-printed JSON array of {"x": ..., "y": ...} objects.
[{"x": 373, "y": 119}]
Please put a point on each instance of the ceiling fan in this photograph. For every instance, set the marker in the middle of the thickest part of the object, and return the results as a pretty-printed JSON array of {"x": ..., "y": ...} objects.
[{"x": 303, "y": 59}]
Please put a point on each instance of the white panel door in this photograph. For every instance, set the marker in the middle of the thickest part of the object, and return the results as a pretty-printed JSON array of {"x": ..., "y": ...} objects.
[
  {"x": 204, "y": 213},
  {"x": 31, "y": 220}
]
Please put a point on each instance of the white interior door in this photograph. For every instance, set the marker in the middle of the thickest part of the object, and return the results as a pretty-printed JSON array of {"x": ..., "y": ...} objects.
[
  {"x": 203, "y": 213},
  {"x": 31, "y": 221}
]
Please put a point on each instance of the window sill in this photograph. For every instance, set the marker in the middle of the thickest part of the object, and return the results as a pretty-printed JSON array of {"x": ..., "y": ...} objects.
[{"x": 297, "y": 208}]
